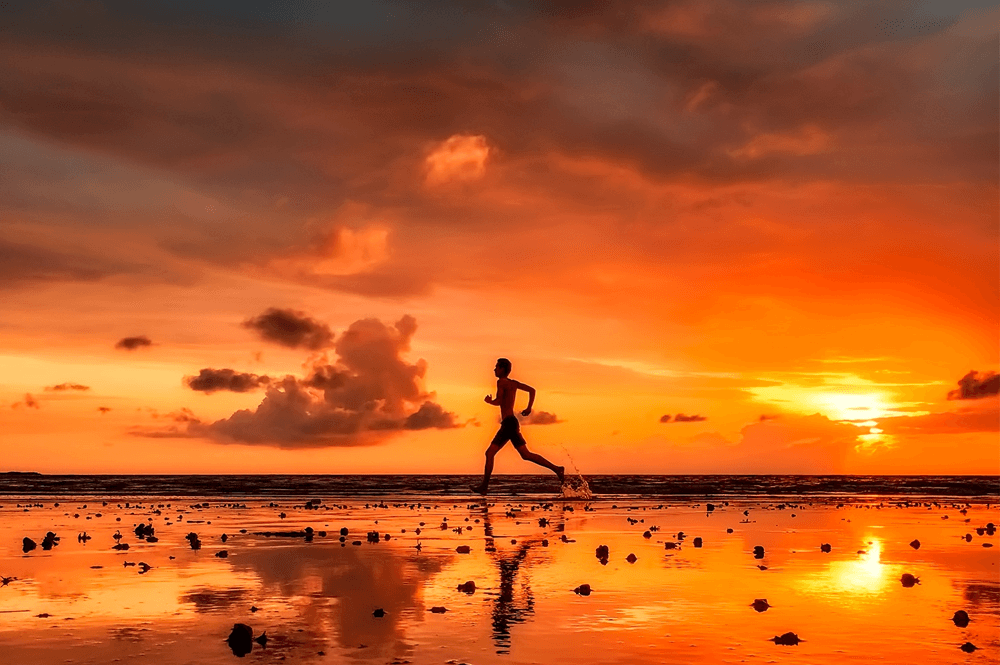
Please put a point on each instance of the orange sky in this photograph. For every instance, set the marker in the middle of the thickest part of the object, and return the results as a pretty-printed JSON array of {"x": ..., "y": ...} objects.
[{"x": 780, "y": 217}]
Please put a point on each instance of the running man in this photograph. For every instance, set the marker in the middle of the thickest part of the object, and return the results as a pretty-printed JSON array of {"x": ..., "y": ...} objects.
[{"x": 510, "y": 429}]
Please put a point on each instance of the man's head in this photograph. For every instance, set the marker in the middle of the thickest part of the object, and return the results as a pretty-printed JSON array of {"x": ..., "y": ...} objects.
[{"x": 503, "y": 367}]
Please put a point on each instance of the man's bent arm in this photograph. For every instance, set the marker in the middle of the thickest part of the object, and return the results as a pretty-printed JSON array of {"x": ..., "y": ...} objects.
[{"x": 528, "y": 389}]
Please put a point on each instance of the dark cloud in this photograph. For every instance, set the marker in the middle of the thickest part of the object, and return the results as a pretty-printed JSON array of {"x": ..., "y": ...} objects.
[
  {"x": 976, "y": 386},
  {"x": 369, "y": 392},
  {"x": 103, "y": 409},
  {"x": 665, "y": 418},
  {"x": 765, "y": 416},
  {"x": 26, "y": 263},
  {"x": 712, "y": 90},
  {"x": 541, "y": 418},
  {"x": 210, "y": 380},
  {"x": 67, "y": 386},
  {"x": 28, "y": 401},
  {"x": 132, "y": 343},
  {"x": 681, "y": 418},
  {"x": 291, "y": 328}
]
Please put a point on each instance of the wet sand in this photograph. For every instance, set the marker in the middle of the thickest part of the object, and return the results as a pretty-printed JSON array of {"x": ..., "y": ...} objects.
[{"x": 317, "y": 601}]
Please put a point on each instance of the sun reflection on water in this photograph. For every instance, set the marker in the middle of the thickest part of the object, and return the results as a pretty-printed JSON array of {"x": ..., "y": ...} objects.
[{"x": 864, "y": 576}]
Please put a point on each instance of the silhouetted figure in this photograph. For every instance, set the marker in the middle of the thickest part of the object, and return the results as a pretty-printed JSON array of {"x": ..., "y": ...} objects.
[{"x": 510, "y": 429}]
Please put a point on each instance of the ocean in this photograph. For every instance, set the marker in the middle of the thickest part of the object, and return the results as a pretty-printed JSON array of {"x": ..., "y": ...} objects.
[{"x": 983, "y": 488}]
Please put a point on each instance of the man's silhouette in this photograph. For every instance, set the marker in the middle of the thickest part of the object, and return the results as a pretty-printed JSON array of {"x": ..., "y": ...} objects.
[{"x": 510, "y": 429}]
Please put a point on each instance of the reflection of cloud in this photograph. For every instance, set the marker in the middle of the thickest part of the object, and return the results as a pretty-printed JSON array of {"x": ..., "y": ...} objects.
[
  {"x": 345, "y": 586},
  {"x": 982, "y": 594},
  {"x": 213, "y": 599},
  {"x": 976, "y": 386}
]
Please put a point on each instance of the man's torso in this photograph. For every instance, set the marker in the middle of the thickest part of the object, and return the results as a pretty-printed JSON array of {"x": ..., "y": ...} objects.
[{"x": 506, "y": 390}]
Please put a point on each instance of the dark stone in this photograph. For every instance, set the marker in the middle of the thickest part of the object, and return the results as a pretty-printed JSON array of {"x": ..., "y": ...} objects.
[
  {"x": 467, "y": 587},
  {"x": 262, "y": 640},
  {"x": 968, "y": 647},
  {"x": 961, "y": 618},
  {"x": 437, "y": 609},
  {"x": 240, "y": 640},
  {"x": 787, "y": 639},
  {"x": 631, "y": 558},
  {"x": 463, "y": 549},
  {"x": 222, "y": 554},
  {"x": 603, "y": 552},
  {"x": 825, "y": 547},
  {"x": 760, "y": 604},
  {"x": 909, "y": 580},
  {"x": 379, "y": 613},
  {"x": 915, "y": 544},
  {"x": 582, "y": 590},
  {"x": 758, "y": 552},
  {"x": 27, "y": 545},
  {"x": 697, "y": 542}
]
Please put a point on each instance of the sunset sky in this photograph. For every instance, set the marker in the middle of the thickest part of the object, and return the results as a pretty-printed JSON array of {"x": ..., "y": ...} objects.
[{"x": 716, "y": 236}]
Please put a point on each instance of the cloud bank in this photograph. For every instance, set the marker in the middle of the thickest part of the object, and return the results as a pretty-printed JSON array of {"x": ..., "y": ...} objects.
[{"x": 368, "y": 393}]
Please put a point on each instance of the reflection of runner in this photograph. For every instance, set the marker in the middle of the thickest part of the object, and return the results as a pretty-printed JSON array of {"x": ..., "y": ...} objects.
[
  {"x": 506, "y": 610},
  {"x": 510, "y": 429}
]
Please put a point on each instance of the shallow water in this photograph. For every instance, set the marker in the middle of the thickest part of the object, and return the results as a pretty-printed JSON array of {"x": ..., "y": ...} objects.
[{"x": 316, "y": 599}]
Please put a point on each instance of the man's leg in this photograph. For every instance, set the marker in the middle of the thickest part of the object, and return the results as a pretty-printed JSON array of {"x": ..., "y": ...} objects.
[
  {"x": 541, "y": 461},
  {"x": 491, "y": 452}
]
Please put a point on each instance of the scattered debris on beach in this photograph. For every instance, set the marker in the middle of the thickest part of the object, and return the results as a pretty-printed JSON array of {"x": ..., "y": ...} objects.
[{"x": 786, "y": 639}]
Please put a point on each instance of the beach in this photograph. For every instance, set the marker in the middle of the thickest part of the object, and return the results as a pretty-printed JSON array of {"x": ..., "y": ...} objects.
[{"x": 390, "y": 590}]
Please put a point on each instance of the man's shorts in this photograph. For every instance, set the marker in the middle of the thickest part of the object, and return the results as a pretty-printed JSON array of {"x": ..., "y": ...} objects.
[{"x": 510, "y": 430}]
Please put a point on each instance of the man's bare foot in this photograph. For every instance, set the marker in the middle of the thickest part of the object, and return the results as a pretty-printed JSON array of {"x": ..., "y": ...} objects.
[
  {"x": 480, "y": 489},
  {"x": 561, "y": 473}
]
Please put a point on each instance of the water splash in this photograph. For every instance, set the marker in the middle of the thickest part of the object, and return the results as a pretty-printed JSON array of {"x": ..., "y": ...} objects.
[{"x": 576, "y": 487}]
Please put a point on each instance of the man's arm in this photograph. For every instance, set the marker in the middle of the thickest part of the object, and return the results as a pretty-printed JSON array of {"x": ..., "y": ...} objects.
[
  {"x": 494, "y": 401},
  {"x": 531, "y": 395}
]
